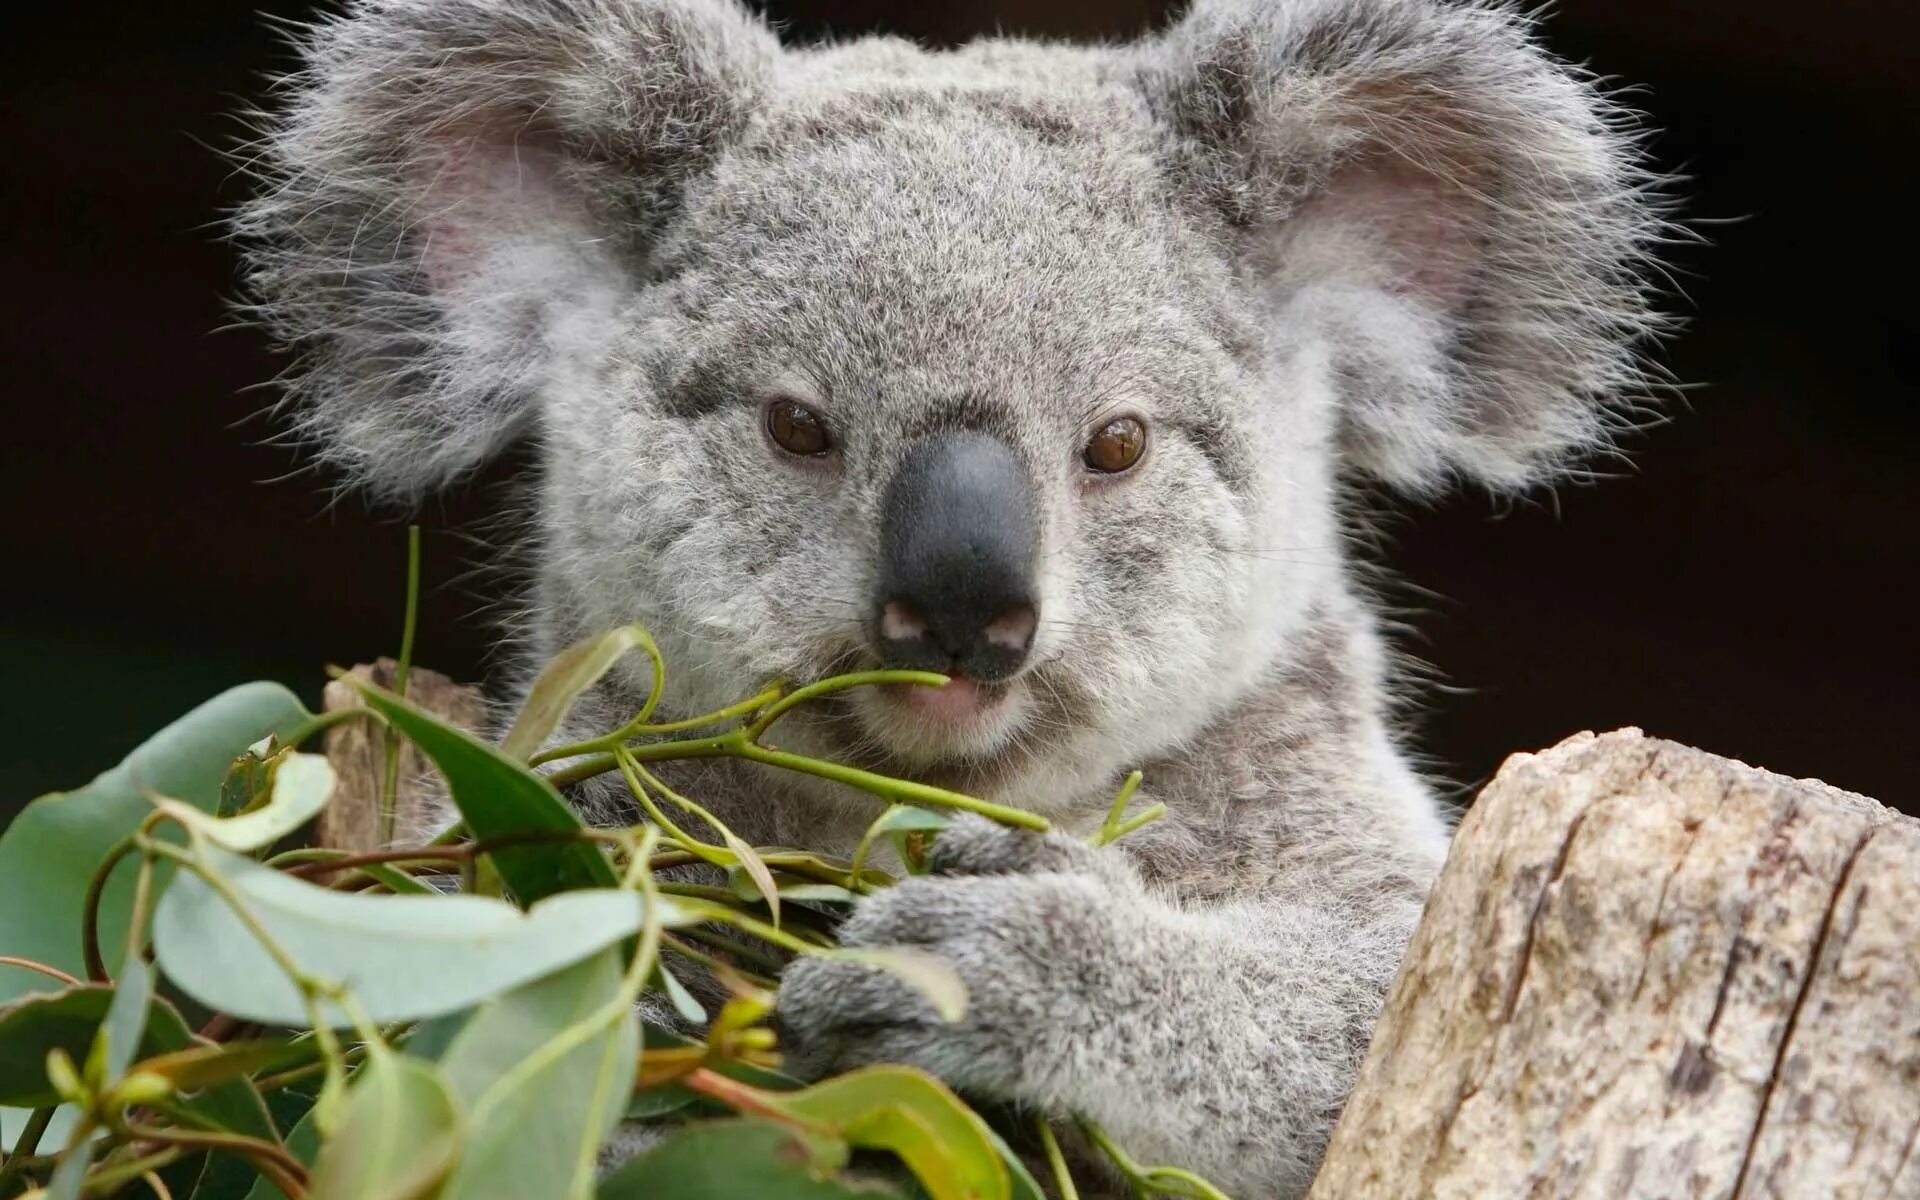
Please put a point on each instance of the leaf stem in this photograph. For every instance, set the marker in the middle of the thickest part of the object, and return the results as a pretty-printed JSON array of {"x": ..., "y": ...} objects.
[
  {"x": 1056, "y": 1161},
  {"x": 8, "y": 960},
  {"x": 90, "y": 909},
  {"x": 24, "y": 1148},
  {"x": 262, "y": 1154},
  {"x": 390, "y": 789}
]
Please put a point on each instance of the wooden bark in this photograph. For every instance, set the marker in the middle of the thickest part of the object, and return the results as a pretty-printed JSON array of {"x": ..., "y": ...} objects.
[
  {"x": 358, "y": 752},
  {"x": 1650, "y": 972}
]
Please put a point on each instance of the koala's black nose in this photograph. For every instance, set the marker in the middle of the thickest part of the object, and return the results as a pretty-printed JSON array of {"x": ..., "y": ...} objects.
[{"x": 959, "y": 541}]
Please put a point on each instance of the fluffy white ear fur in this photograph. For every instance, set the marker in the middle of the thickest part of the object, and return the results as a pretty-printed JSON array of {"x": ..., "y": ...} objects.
[
  {"x": 1461, "y": 216},
  {"x": 456, "y": 189}
]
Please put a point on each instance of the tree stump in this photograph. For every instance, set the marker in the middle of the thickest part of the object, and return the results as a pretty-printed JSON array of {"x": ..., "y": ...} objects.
[
  {"x": 1650, "y": 972},
  {"x": 358, "y": 752}
]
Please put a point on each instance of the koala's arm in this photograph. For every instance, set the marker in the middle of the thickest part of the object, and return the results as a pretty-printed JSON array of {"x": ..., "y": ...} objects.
[{"x": 1221, "y": 1038}]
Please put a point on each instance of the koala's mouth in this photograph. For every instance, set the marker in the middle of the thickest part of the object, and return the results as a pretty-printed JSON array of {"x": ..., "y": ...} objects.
[{"x": 962, "y": 701}]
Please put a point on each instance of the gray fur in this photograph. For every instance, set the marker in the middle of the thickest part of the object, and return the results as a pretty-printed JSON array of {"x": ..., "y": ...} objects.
[{"x": 1307, "y": 240}]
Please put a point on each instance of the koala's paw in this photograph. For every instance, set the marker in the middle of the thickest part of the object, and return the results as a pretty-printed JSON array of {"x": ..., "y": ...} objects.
[{"x": 1032, "y": 924}]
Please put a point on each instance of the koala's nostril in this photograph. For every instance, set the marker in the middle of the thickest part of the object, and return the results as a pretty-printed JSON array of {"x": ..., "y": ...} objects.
[
  {"x": 900, "y": 623},
  {"x": 1012, "y": 630}
]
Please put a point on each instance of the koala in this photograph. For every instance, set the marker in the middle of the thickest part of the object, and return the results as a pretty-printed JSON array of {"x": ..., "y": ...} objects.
[{"x": 1058, "y": 368}]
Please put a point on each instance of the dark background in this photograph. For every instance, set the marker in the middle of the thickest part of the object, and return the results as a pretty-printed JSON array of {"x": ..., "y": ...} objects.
[{"x": 1748, "y": 589}]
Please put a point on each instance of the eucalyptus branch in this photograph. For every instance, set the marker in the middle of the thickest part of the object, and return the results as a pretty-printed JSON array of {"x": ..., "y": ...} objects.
[
  {"x": 27, "y": 964},
  {"x": 271, "y": 1160},
  {"x": 390, "y": 788},
  {"x": 26, "y": 1146},
  {"x": 1146, "y": 1181},
  {"x": 1056, "y": 1161},
  {"x": 108, "y": 1178}
]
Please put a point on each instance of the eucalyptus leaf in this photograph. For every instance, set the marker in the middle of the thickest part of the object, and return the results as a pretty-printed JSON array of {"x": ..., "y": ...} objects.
[
  {"x": 690, "y": 1009},
  {"x": 499, "y": 797},
  {"x": 748, "y": 1160},
  {"x": 905, "y": 818},
  {"x": 402, "y": 957},
  {"x": 946, "y": 1144},
  {"x": 70, "y": 1174},
  {"x": 790, "y": 887},
  {"x": 552, "y": 696},
  {"x": 126, "y": 1022},
  {"x": 302, "y": 785},
  {"x": 544, "y": 1072},
  {"x": 50, "y": 851},
  {"x": 399, "y": 1134},
  {"x": 69, "y": 1020},
  {"x": 204, "y": 1064}
]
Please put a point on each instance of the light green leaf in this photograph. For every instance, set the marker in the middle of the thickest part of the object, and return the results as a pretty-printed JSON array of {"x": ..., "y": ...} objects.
[
  {"x": 50, "y": 851},
  {"x": 398, "y": 1137},
  {"x": 928, "y": 974},
  {"x": 402, "y": 957},
  {"x": 69, "y": 1020},
  {"x": 563, "y": 681},
  {"x": 690, "y": 1010},
  {"x": 946, "y": 1144},
  {"x": 905, "y": 818},
  {"x": 302, "y": 785},
  {"x": 790, "y": 887},
  {"x": 756, "y": 870},
  {"x": 498, "y": 797},
  {"x": 747, "y": 1160},
  {"x": 70, "y": 1174},
  {"x": 119, "y": 1035},
  {"x": 544, "y": 1072},
  {"x": 203, "y": 1064}
]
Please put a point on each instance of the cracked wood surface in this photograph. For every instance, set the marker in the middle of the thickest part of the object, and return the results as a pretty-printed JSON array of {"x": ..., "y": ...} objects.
[
  {"x": 1647, "y": 971},
  {"x": 358, "y": 752}
]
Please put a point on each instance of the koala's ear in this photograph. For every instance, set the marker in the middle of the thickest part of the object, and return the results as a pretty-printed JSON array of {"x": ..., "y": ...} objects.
[
  {"x": 1460, "y": 217},
  {"x": 453, "y": 189}
]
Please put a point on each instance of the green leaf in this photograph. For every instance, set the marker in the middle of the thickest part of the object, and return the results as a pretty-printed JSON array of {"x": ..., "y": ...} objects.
[
  {"x": 33, "y": 1025},
  {"x": 205, "y": 1064},
  {"x": 302, "y": 785},
  {"x": 303, "y": 1142},
  {"x": 928, "y": 974},
  {"x": 51, "y": 850},
  {"x": 1023, "y": 1185},
  {"x": 72, "y": 1171},
  {"x": 126, "y": 1021},
  {"x": 398, "y": 1137},
  {"x": 790, "y": 887},
  {"x": 498, "y": 797},
  {"x": 905, "y": 818},
  {"x": 945, "y": 1143},
  {"x": 690, "y": 1009},
  {"x": 402, "y": 957},
  {"x": 748, "y": 1160},
  {"x": 756, "y": 870},
  {"x": 544, "y": 1072},
  {"x": 563, "y": 681}
]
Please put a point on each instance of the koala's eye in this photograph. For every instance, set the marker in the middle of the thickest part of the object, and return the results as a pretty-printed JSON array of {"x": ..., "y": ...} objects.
[
  {"x": 797, "y": 429},
  {"x": 1118, "y": 446}
]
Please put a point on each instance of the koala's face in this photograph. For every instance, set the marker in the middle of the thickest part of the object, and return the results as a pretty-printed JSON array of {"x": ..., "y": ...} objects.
[
  {"x": 1039, "y": 365},
  {"x": 956, "y": 388}
]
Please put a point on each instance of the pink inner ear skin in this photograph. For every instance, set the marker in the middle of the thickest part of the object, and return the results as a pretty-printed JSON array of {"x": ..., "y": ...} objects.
[
  {"x": 1426, "y": 224},
  {"x": 485, "y": 192}
]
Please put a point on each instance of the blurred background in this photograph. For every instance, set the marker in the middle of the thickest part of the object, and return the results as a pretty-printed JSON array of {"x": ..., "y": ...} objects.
[{"x": 1749, "y": 588}]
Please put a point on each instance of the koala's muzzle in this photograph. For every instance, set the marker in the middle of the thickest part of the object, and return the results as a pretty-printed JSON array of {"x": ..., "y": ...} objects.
[{"x": 959, "y": 544}]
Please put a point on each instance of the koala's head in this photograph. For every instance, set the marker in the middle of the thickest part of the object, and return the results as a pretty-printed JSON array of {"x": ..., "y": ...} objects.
[{"x": 1043, "y": 365}]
